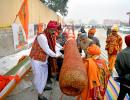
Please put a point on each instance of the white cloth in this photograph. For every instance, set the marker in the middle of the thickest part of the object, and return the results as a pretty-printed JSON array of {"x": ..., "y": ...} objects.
[
  {"x": 58, "y": 48},
  {"x": 40, "y": 72},
  {"x": 40, "y": 69},
  {"x": 42, "y": 40}
]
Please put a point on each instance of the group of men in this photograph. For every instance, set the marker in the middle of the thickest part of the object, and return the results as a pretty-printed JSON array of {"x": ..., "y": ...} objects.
[
  {"x": 45, "y": 45},
  {"x": 95, "y": 66},
  {"x": 117, "y": 58}
]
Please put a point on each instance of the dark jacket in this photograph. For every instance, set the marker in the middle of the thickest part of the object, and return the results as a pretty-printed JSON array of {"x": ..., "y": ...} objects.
[
  {"x": 82, "y": 30},
  {"x": 96, "y": 41},
  {"x": 122, "y": 64},
  {"x": 108, "y": 31}
]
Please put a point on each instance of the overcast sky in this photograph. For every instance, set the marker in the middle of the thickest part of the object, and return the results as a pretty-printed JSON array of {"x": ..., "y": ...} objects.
[{"x": 98, "y": 9}]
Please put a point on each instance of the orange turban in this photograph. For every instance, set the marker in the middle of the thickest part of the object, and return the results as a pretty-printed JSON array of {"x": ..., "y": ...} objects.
[
  {"x": 93, "y": 50},
  {"x": 92, "y": 31}
]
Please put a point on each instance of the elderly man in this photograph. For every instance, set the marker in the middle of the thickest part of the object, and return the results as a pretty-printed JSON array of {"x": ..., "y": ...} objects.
[
  {"x": 43, "y": 46},
  {"x": 91, "y": 33},
  {"x": 97, "y": 75},
  {"x": 113, "y": 46},
  {"x": 122, "y": 66},
  {"x": 85, "y": 42}
]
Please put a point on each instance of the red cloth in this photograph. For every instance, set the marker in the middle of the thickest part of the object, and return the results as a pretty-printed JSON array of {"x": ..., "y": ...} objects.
[
  {"x": 127, "y": 40},
  {"x": 4, "y": 80},
  {"x": 51, "y": 37},
  {"x": 52, "y": 25}
]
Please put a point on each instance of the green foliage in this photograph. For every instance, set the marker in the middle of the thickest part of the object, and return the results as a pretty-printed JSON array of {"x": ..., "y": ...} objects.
[{"x": 57, "y": 5}]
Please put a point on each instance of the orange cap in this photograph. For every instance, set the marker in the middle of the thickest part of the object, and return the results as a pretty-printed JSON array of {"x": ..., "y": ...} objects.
[
  {"x": 92, "y": 31},
  {"x": 93, "y": 50}
]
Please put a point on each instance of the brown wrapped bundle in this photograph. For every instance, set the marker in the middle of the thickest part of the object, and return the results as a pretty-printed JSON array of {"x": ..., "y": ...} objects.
[{"x": 73, "y": 78}]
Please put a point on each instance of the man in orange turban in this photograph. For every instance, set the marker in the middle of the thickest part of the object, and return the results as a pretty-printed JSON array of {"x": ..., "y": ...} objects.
[
  {"x": 91, "y": 33},
  {"x": 97, "y": 80},
  {"x": 113, "y": 46}
]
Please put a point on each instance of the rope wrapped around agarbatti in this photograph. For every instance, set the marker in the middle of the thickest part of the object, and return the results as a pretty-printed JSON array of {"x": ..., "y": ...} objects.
[{"x": 73, "y": 77}]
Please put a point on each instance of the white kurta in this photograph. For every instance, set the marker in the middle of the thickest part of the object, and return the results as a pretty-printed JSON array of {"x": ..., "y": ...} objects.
[{"x": 40, "y": 69}]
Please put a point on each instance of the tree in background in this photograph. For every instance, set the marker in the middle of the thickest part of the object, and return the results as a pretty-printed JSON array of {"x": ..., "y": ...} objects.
[{"x": 57, "y": 5}]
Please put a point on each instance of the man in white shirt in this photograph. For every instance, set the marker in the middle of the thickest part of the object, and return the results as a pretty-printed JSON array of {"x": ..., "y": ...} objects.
[{"x": 43, "y": 47}]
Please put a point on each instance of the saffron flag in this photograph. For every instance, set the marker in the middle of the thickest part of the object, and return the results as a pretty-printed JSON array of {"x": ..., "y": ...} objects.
[{"x": 24, "y": 17}]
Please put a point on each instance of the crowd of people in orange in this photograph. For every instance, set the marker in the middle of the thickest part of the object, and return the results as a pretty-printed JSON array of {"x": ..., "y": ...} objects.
[
  {"x": 98, "y": 72},
  {"x": 47, "y": 55}
]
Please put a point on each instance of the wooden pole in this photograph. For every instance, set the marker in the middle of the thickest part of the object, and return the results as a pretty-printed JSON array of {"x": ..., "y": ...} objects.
[{"x": 15, "y": 18}]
